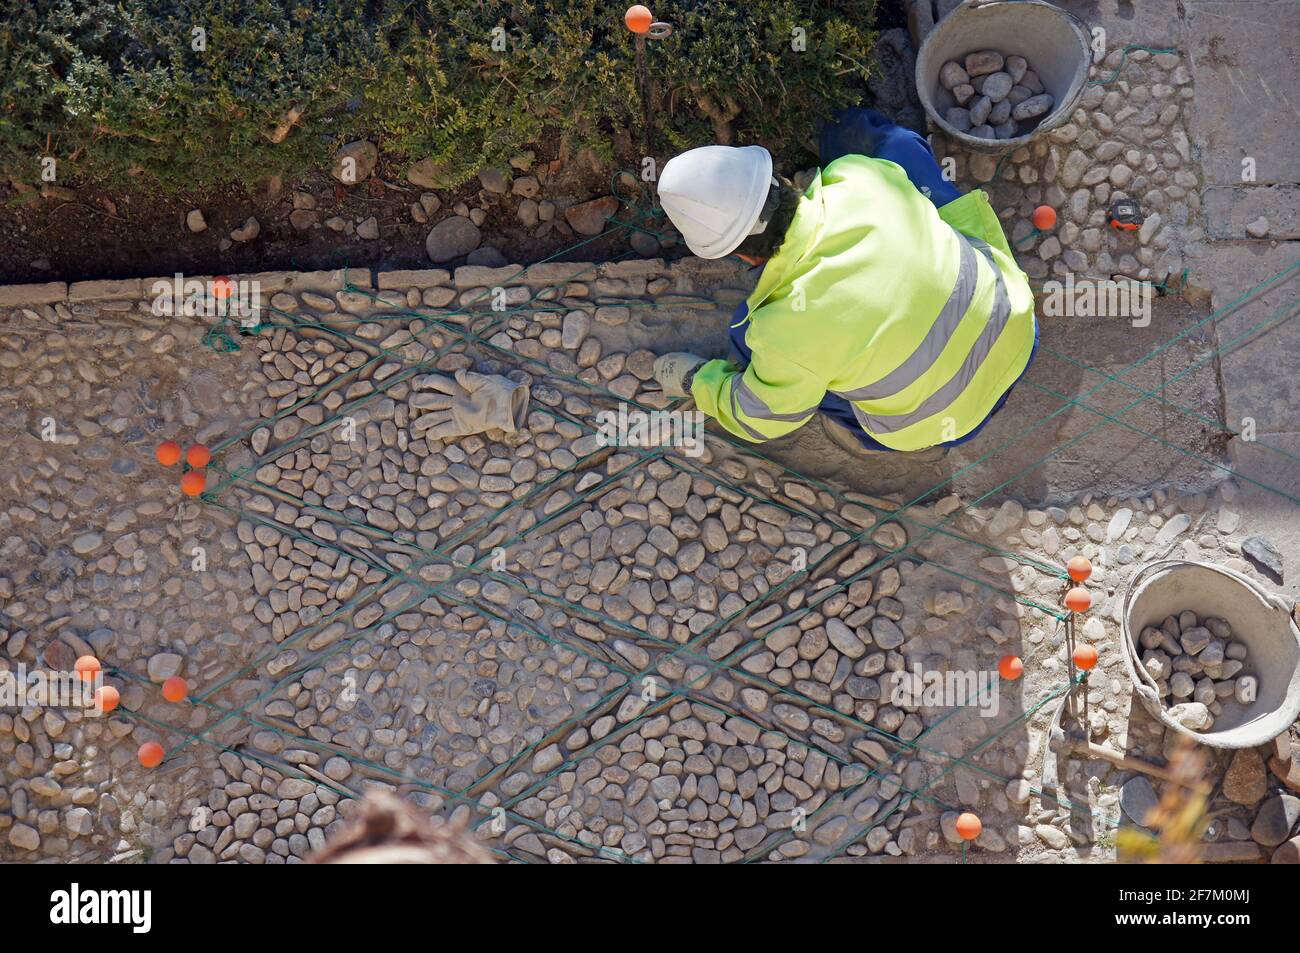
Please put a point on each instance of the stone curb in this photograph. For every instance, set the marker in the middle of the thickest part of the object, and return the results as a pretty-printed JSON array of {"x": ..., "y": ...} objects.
[{"x": 466, "y": 276}]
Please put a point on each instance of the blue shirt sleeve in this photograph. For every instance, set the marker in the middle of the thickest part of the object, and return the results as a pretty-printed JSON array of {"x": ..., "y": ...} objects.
[{"x": 862, "y": 131}]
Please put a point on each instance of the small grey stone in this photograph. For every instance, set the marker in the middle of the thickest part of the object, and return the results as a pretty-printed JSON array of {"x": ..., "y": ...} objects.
[
  {"x": 577, "y": 324},
  {"x": 1137, "y": 797},
  {"x": 87, "y": 543},
  {"x": 997, "y": 86},
  {"x": 952, "y": 75},
  {"x": 1258, "y": 228},
  {"x": 1261, "y": 551},
  {"x": 958, "y": 118},
  {"x": 1192, "y": 715},
  {"x": 1195, "y": 639},
  {"x": 164, "y": 665},
  {"x": 452, "y": 238},
  {"x": 354, "y": 162},
  {"x": 979, "y": 110},
  {"x": 1275, "y": 820},
  {"x": 494, "y": 180},
  {"x": 983, "y": 62},
  {"x": 1033, "y": 106}
]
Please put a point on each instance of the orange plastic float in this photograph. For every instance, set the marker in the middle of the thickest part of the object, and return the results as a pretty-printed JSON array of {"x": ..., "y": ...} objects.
[
  {"x": 1085, "y": 657},
  {"x": 168, "y": 453},
  {"x": 106, "y": 698},
  {"x": 638, "y": 18},
  {"x": 175, "y": 689},
  {"x": 1079, "y": 568},
  {"x": 221, "y": 287},
  {"x": 150, "y": 754},
  {"x": 1010, "y": 667},
  {"x": 198, "y": 456},
  {"x": 1078, "y": 599},
  {"x": 193, "y": 482},
  {"x": 87, "y": 667},
  {"x": 1044, "y": 218},
  {"x": 969, "y": 826}
]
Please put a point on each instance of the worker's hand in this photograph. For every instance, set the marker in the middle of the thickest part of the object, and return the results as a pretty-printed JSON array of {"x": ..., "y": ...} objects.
[
  {"x": 472, "y": 403},
  {"x": 671, "y": 370}
]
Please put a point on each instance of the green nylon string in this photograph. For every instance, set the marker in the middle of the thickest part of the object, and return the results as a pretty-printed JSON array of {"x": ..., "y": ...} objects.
[{"x": 469, "y": 532}]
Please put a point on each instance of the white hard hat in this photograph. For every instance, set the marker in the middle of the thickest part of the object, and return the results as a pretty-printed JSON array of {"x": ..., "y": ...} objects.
[{"x": 714, "y": 195}]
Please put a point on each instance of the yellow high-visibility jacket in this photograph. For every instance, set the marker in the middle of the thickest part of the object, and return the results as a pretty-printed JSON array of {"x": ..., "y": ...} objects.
[{"x": 918, "y": 316}]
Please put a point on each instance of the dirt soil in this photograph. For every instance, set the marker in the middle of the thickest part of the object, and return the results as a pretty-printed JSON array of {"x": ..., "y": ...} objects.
[{"x": 132, "y": 232}]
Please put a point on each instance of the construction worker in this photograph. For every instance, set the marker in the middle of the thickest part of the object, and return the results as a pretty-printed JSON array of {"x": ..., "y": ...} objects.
[{"x": 889, "y": 303}]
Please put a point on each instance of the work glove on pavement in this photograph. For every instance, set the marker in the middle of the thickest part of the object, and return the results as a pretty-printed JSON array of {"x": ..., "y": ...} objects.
[
  {"x": 470, "y": 404},
  {"x": 671, "y": 371}
]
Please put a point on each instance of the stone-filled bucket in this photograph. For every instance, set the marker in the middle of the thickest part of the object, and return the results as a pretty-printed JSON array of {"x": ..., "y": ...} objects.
[
  {"x": 1053, "y": 41},
  {"x": 1259, "y": 619}
]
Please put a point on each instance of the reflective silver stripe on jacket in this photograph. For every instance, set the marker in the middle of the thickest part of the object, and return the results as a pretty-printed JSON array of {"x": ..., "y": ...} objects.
[
  {"x": 753, "y": 406},
  {"x": 936, "y": 339},
  {"x": 933, "y": 345}
]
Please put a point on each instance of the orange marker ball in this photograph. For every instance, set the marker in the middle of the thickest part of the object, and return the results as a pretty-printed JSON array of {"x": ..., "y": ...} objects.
[
  {"x": 638, "y": 18},
  {"x": 1044, "y": 218},
  {"x": 106, "y": 698},
  {"x": 174, "y": 689},
  {"x": 168, "y": 453},
  {"x": 198, "y": 456},
  {"x": 1079, "y": 568},
  {"x": 87, "y": 667},
  {"x": 193, "y": 482},
  {"x": 1010, "y": 667},
  {"x": 969, "y": 826},
  {"x": 1078, "y": 599},
  {"x": 1085, "y": 657},
  {"x": 221, "y": 287},
  {"x": 150, "y": 754}
]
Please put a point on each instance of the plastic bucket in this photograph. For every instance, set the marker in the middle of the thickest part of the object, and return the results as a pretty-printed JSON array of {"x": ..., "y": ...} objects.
[
  {"x": 1259, "y": 619},
  {"x": 1054, "y": 42}
]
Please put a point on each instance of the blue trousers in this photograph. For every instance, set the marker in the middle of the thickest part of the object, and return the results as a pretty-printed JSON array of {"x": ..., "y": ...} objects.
[
  {"x": 861, "y": 131},
  {"x": 839, "y": 409}
]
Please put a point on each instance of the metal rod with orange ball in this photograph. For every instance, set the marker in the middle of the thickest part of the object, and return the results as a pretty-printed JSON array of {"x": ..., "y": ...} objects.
[
  {"x": 641, "y": 22},
  {"x": 106, "y": 699},
  {"x": 175, "y": 688},
  {"x": 198, "y": 456},
  {"x": 150, "y": 754},
  {"x": 1011, "y": 667},
  {"x": 968, "y": 827},
  {"x": 168, "y": 453},
  {"x": 88, "y": 668},
  {"x": 1077, "y": 600},
  {"x": 193, "y": 482},
  {"x": 1043, "y": 220}
]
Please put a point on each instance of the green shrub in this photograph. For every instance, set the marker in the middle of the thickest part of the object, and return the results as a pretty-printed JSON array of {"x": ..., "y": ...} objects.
[{"x": 114, "y": 89}]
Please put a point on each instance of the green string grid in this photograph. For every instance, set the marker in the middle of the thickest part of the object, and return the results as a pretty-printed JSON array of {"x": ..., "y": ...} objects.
[{"x": 821, "y": 594}]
